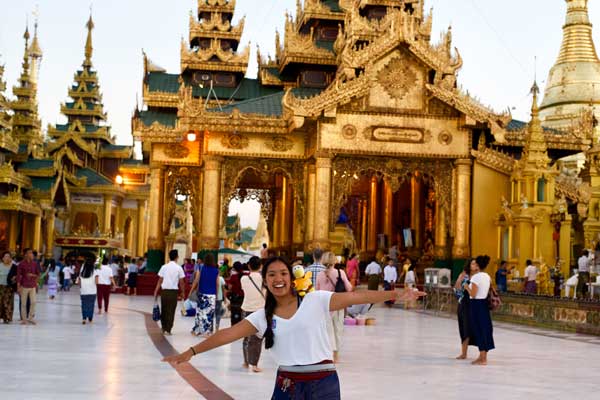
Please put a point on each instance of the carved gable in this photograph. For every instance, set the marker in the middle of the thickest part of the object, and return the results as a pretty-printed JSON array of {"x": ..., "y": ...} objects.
[{"x": 399, "y": 82}]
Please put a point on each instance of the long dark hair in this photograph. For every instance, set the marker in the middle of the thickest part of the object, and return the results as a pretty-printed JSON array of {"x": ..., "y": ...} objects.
[
  {"x": 88, "y": 268},
  {"x": 270, "y": 302},
  {"x": 51, "y": 265}
]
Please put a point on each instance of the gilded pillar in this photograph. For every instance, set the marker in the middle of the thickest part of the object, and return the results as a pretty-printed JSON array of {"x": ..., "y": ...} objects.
[
  {"x": 211, "y": 199},
  {"x": 37, "y": 233},
  {"x": 298, "y": 236},
  {"x": 463, "y": 208},
  {"x": 284, "y": 205},
  {"x": 322, "y": 202},
  {"x": 310, "y": 206},
  {"x": 363, "y": 225},
  {"x": 50, "y": 221},
  {"x": 141, "y": 220},
  {"x": 441, "y": 231},
  {"x": 157, "y": 189},
  {"x": 13, "y": 231},
  {"x": 372, "y": 221},
  {"x": 388, "y": 212},
  {"x": 107, "y": 213},
  {"x": 415, "y": 209},
  {"x": 198, "y": 211}
]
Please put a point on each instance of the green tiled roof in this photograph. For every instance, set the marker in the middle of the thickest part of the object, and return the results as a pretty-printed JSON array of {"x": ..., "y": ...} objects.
[
  {"x": 22, "y": 148},
  {"x": 93, "y": 178},
  {"x": 131, "y": 161},
  {"x": 37, "y": 164},
  {"x": 334, "y": 5},
  {"x": 89, "y": 106},
  {"x": 88, "y": 128},
  {"x": 248, "y": 88},
  {"x": 150, "y": 116},
  {"x": 91, "y": 73},
  {"x": 267, "y": 105},
  {"x": 247, "y": 235},
  {"x": 325, "y": 44},
  {"x": 115, "y": 147},
  {"x": 516, "y": 125},
  {"x": 43, "y": 184}
]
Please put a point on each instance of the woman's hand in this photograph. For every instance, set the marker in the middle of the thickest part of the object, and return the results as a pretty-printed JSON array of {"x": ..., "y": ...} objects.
[
  {"x": 179, "y": 358},
  {"x": 408, "y": 295}
]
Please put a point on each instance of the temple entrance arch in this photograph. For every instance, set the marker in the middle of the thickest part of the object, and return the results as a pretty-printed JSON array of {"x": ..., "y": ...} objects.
[
  {"x": 181, "y": 213},
  {"x": 278, "y": 186},
  {"x": 400, "y": 201}
]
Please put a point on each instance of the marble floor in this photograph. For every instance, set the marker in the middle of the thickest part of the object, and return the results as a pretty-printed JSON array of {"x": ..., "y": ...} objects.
[{"x": 408, "y": 355}]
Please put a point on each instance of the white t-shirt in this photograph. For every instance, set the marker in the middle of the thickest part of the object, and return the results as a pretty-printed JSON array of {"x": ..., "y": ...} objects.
[
  {"x": 171, "y": 274},
  {"x": 115, "y": 269},
  {"x": 253, "y": 300},
  {"x": 373, "y": 269},
  {"x": 531, "y": 272},
  {"x": 304, "y": 338},
  {"x": 67, "y": 272},
  {"x": 220, "y": 288},
  {"x": 410, "y": 277},
  {"x": 483, "y": 281},
  {"x": 88, "y": 285},
  {"x": 104, "y": 275},
  {"x": 390, "y": 274},
  {"x": 583, "y": 264}
]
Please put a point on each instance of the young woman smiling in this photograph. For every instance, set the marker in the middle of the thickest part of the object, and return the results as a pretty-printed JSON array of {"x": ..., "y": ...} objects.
[{"x": 296, "y": 332}]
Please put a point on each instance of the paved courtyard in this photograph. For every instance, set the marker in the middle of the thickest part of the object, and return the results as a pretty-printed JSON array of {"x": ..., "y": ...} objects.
[{"x": 408, "y": 355}]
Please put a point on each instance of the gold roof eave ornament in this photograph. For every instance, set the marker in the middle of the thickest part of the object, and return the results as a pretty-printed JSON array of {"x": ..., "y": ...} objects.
[
  {"x": 155, "y": 133},
  {"x": 159, "y": 99},
  {"x": 300, "y": 48},
  {"x": 201, "y": 59},
  {"x": 8, "y": 175},
  {"x": 315, "y": 9},
  {"x": 225, "y": 6},
  {"x": 14, "y": 201},
  {"x": 215, "y": 28}
]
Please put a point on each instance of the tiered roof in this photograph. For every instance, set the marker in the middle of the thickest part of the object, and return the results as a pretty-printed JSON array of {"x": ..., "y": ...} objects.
[
  {"x": 26, "y": 123},
  {"x": 7, "y": 142}
]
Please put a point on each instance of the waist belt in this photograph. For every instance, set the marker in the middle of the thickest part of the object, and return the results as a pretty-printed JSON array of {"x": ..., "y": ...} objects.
[{"x": 329, "y": 366}]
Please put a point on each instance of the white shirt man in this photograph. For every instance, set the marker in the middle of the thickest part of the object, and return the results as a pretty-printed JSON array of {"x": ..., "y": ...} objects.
[
  {"x": 531, "y": 272},
  {"x": 105, "y": 275},
  {"x": 583, "y": 264},
  {"x": 171, "y": 273},
  {"x": 171, "y": 278},
  {"x": 390, "y": 274},
  {"x": 373, "y": 269}
]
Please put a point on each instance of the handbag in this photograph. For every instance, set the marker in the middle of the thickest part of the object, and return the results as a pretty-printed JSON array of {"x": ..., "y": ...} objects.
[
  {"x": 156, "y": 312},
  {"x": 493, "y": 299},
  {"x": 340, "y": 286}
]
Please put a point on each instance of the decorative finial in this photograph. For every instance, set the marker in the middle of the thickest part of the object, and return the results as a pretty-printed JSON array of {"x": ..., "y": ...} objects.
[{"x": 88, "y": 43}]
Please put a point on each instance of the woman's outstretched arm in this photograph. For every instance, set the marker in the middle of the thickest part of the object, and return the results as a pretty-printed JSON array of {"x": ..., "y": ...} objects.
[
  {"x": 340, "y": 301},
  {"x": 221, "y": 338}
]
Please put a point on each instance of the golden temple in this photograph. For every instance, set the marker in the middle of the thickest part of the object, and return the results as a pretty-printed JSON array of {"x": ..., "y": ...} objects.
[{"x": 354, "y": 135}]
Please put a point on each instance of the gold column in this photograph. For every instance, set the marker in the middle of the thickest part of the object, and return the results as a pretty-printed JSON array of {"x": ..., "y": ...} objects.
[
  {"x": 50, "y": 221},
  {"x": 107, "y": 212},
  {"x": 441, "y": 231},
  {"x": 463, "y": 208},
  {"x": 535, "y": 241},
  {"x": 198, "y": 216},
  {"x": 297, "y": 225},
  {"x": 37, "y": 233},
  {"x": 211, "y": 200},
  {"x": 309, "y": 233},
  {"x": 363, "y": 225},
  {"x": 284, "y": 236},
  {"x": 499, "y": 247},
  {"x": 388, "y": 211},
  {"x": 322, "y": 202},
  {"x": 415, "y": 209},
  {"x": 13, "y": 230},
  {"x": 372, "y": 229},
  {"x": 156, "y": 205},
  {"x": 141, "y": 220}
]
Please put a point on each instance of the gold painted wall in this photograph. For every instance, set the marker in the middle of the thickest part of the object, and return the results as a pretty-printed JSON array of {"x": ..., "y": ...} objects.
[{"x": 488, "y": 188}]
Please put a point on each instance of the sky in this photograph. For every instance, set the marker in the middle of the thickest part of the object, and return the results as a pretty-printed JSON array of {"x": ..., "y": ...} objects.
[{"x": 498, "y": 40}]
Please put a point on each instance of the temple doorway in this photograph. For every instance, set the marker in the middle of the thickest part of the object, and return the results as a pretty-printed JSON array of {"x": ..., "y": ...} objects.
[{"x": 381, "y": 211}]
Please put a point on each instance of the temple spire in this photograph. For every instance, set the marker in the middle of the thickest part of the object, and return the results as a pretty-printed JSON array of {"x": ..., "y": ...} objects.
[
  {"x": 25, "y": 73},
  {"x": 577, "y": 45},
  {"x": 535, "y": 152},
  {"x": 35, "y": 55},
  {"x": 88, "y": 43}
]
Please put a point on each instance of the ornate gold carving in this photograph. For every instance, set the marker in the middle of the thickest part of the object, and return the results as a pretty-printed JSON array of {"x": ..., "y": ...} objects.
[
  {"x": 349, "y": 132},
  {"x": 177, "y": 151},
  {"x": 401, "y": 135},
  {"x": 280, "y": 144},
  {"x": 397, "y": 77},
  {"x": 235, "y": 141},
  {"x": 445, "y": 138},
  {"x": 201, "y": 59}
]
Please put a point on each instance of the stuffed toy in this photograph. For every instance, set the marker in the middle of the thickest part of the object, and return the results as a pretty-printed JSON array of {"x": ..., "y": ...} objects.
[{"x": 303, "y": 281}]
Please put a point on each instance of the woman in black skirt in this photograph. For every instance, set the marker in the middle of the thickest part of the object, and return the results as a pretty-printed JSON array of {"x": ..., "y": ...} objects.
[
  {"x": 464, "y": 327},
  {"x": 480, "y": 318}
]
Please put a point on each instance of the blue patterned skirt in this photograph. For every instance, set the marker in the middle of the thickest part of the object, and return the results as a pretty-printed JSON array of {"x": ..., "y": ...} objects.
[{"x": 205, "y": 314}]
